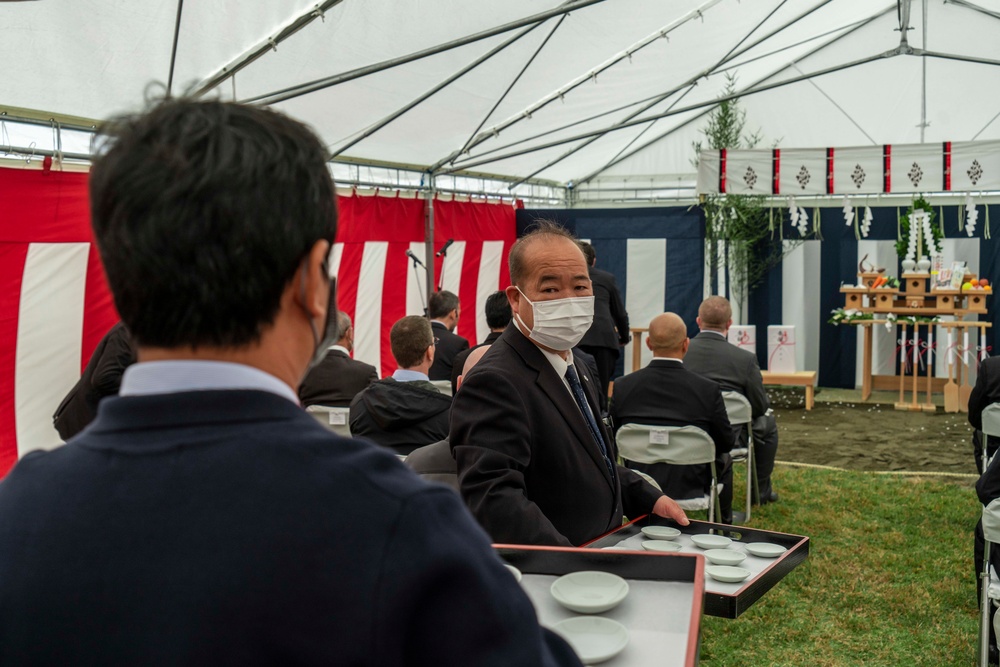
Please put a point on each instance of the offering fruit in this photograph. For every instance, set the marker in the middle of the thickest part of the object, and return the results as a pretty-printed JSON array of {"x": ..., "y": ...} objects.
[
  {"x": 967, "y": 286},
  {"x": 974, "y": 282},
  {"x": 983, "y": 282}
]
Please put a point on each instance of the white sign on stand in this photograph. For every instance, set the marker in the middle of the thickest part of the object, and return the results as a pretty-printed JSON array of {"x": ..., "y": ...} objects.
[{"x": 781, "y": 348}]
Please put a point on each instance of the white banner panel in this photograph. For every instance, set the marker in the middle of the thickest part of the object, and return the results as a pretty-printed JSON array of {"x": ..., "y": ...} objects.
[
  {"x": 49, "y": 339},
  {"x": 802, "y": 171},
  {"x": 708, "y": 171},
  {"x": 748, "y": 172},
  {"x": 975, "y": 165},
  {"x": 489, "y": 282},
  {"x": 917, "y": 168},
  {"x": 645, "y": 287},
  {"x": 368, "y": 313},
  {"x": 857, "y": 170}
]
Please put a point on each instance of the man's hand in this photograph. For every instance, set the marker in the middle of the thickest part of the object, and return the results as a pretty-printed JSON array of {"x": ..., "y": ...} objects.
[{"x": 669, "y": 509}]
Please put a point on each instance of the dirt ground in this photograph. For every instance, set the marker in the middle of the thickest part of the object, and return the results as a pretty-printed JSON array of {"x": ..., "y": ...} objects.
[{"x": 853, "y": 435}]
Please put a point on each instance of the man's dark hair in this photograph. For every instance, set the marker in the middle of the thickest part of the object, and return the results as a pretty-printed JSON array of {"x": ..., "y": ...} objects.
[
  {"x": 543, "y": 229},
  {"x": 441, "y": 304},
  {"x": 410, "y": 337},
  {"x": 588, "y": 252},
  {"x": 203, "y": 212},
  {"x": 498, "y": 314}
]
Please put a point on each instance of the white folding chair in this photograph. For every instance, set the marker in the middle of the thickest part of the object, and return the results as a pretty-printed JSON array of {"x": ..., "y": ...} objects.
[
  {"x": 991, "y": 428},
  {"x": 444, "y": 386},
  {"x": 990, "y": 582},
  {"x": 673, "y": 445},
  {"x": 337, "y": 420},
  {"x": 739, "y": 411}
]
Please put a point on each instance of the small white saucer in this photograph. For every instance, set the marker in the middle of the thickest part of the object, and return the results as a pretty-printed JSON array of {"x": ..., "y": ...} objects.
[
  {"x": 711, "y": 541},
  {"x": 660, "y": 545},
  {"x": 730, "y": 575},
  {"x": 766, "y": 549},
  {"x": 589, "y": 592},
  {"x": 724, "y": 557},
  {"x": 594, "y": 638},
  {"x": 660, "y": 532},
  {"x": 513, "y": 570}
]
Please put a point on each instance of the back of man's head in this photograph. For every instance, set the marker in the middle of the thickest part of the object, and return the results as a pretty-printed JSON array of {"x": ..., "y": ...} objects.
[
  {"x": 471, "y": 360},
  {"x": 588, "y": 252},
  {"x": 343, "y": 326},
  {"x": 498, "y": 313},
  {"x": 441, "y": 303},
  {"x": 544, "y": 231},
  {"x": 410, "y": 337},
  {"x": 203, "y": 212},
  {"x": 715, "y": 313},
  {"x": 667, "y": 336}
]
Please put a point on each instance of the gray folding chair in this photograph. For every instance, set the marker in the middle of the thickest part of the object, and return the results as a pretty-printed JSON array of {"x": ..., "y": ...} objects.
[
  {"x": 673, "y": 445},
  {"x": 739, "y": 411},
  {"x": 991, "y": 533},
  {"x": 444, "y": 386},
  {"x": 337, "y": 420}
]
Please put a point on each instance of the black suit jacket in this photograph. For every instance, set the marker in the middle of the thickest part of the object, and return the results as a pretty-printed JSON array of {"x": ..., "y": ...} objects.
[
  {"x": 231, "y": 528},
  {"x": 986, "y": 391},
  {"x": 336, "y": 380},
  {"x": 102, "y": 377},
  {"x": 459, "y": 362},
  {"x": 447, "y": 345},
  {"x": 711, "y": 355},
  {"x": 665, "y": 393},
  {"x": 609, "y": 313},
  {"x": 529, "y": 468}
]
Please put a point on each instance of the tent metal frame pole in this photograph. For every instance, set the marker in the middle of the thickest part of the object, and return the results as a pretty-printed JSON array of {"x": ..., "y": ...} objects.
[
  {"x": 451, "y": 156},
  {"x": 378, "y": 125},
  {"x": 559, "y": 94},
  {"x": 956, "y": 56},
  {"x": 429, "y": 240},
  {"x": 264, "y": 47},
  {"x": 923, "y": 76},
  {"x": 692, "y": 107},
  {"x": 856, "y": 26},
  {"x": 690, "y": 84},
  {"x": 298, "y": 90},
  {"x": 974, "y": 7},
  {"x": 173, "y": 50}
]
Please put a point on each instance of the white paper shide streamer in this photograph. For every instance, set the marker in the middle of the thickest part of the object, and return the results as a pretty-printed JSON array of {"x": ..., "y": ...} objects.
[
  {"x": 866, "y": 222},
  {"x": 848, "y": 212},
  {"x": 798, "y": 217},
  {"x": 971, "y": 215}
]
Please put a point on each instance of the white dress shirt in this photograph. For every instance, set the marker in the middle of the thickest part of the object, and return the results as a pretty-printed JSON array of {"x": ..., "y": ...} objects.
[{"x": 172, "y": 377}]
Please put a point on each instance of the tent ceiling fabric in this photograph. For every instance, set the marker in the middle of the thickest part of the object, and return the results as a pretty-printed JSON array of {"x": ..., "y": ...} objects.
[{"x": 95, "y": 59}]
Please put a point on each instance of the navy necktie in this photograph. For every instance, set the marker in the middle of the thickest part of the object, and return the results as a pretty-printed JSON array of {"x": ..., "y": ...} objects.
[{"x": 581, "y": 402}]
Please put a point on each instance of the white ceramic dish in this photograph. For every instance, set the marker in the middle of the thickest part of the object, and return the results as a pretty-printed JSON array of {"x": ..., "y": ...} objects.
[
  {"x": 513, "y": 570},
  {"x": 724, "y": 557},
  {"x": 730, "y": 575},
  {"x": 765, "y": 549},
  {"x": 660, "y": 532},
  {"x": 661, "y": 546},
  {"x": 589, "y": 592},
  {"x": 594, "y": 638},
  {"x": 711, "y": 541}
]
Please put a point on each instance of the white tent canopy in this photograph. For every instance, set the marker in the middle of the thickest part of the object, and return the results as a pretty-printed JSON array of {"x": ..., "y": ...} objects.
[{"x": 546, "y": 103}]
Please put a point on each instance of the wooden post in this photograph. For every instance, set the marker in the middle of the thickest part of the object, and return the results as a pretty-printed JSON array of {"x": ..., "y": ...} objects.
[
  {"x": 902, "y": 364},
  {"x": 866, "y": 369}
]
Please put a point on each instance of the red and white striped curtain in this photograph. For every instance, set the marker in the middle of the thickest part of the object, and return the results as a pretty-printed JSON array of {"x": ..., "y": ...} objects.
[{"x": 55, "y": 306}]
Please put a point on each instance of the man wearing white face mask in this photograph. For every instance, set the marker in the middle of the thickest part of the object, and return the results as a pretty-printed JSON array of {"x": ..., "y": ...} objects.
[{"x": 536, "y": 464}]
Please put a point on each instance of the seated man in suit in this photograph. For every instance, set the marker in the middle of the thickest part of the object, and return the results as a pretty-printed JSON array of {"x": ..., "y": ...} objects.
[
  {"x": 714, "y": 357},
  {"x": 404, "y": 411},
  {"x": 205, "y": 518},
  {"x": 443, "y": 309},
  {"x": 985, "y": 393},
  {"x": 665, "y": 393},
  {"x": 434, "y": 462},
  {"x": 536, "y": 464},
  {"x": 337, "y": 379},
  {"x": 102, "y": 377}
]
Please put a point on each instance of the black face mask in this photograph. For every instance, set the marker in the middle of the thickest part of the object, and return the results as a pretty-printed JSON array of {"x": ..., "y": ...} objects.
[{"x": 330, "y": 327}]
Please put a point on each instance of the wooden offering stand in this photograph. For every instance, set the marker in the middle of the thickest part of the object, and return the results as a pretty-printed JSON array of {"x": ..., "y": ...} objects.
[{"x": 915, "y": 297}]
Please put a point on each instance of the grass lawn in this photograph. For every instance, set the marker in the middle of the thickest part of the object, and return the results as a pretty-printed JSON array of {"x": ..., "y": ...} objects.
[{"x": 889, "y": 579}]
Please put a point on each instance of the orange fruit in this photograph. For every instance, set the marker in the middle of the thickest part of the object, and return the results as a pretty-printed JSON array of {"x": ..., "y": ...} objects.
[{"x": 975, "y": 282}]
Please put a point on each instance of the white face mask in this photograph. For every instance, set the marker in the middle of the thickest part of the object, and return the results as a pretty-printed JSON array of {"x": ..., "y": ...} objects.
[{"x": 560, "y": 323}]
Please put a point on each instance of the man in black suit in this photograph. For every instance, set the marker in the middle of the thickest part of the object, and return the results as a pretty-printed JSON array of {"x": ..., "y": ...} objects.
[
  {"x": 536, "y": 463},
  {"x": 102, "y": 377},
  {"x": 337, "y": 379},
  {"x": 610, "y": 329},
  {"x": 404, "y": 411},
  {"x": 714, "y": 357},
  {"x": 205, "y": 518},
  {"x": 497, "y": 318},
  {"x": 443, "y": 309},
  {"x": 665, "y": 393}
]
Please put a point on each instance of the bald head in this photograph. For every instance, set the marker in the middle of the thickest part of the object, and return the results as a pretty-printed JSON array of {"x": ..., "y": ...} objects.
[
  {"x": 715, "y": 314},
  {"x": 668, "y": 336},
  {"x": 471, "y": 360}
]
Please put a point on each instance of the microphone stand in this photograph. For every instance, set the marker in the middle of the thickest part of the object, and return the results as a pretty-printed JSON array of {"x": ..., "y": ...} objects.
[
  {"x": 444, "y": 263},
  {"x": 423, "y": 300}
]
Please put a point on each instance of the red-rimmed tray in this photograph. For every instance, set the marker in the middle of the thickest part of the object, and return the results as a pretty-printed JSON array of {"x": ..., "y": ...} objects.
[
  {"x": 662, "y": 611},
  {"x": 725, "y": 600}
]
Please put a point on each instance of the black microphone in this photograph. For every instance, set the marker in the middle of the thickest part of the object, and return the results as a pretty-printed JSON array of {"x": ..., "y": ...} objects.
[
  {"x": 416, "y": 260},
  {"x": 444, "y": 248}
]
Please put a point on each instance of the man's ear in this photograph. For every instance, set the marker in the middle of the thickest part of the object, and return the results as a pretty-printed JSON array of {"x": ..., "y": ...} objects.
[
  {"x": 430, "y": 354},
  {"x": 697, "y": 320},
  {"x": 314, "y": 286},
  {"x": 649, "y": 344}
]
